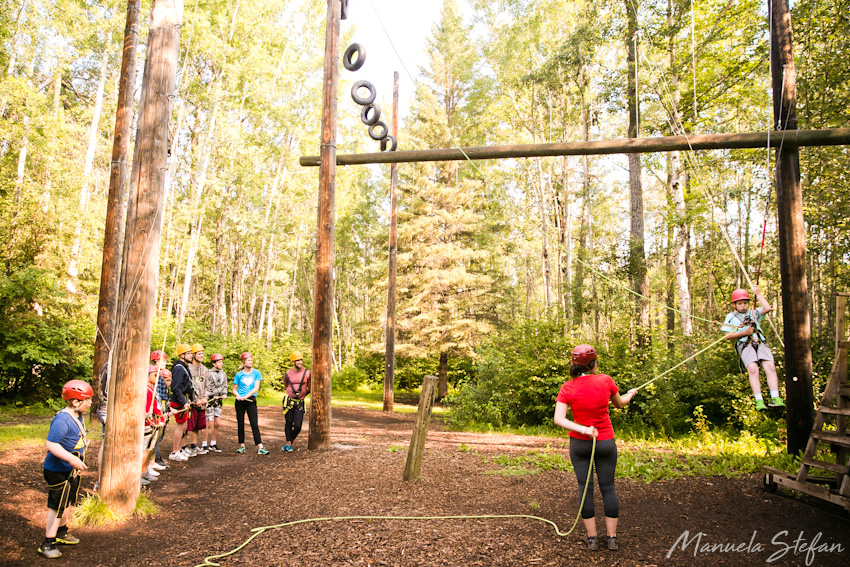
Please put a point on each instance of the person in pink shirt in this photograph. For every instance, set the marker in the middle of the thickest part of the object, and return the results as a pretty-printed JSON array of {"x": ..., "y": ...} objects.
[{"x": 588, "y": 395}]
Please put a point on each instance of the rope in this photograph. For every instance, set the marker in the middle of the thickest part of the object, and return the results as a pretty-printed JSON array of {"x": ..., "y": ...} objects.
[
  {"x": 208, "y": 561},
  {"x": 671, "y": 369}
]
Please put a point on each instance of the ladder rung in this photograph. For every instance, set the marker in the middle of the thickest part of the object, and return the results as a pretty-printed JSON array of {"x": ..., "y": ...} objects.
[
  {"x": 832, "y": 437},
  {"x": 844, "y": 390},
  {"x": 840, "y": 469},
  {"x": 835, "y": 411}
]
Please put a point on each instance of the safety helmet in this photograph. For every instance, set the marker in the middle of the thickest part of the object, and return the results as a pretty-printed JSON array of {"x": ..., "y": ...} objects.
[
  {"x": 183, "y": 348},
  {"x": 295, "y": 356},
  {"x": 165, "y": 373},
  {"x": 216, "y": 357},
  {"x": 583, "y": 355},
  {"x": 157, "y": 355},
  {"x": 740, "y": 295},
  {"x": 152, "y": 368},
  {"x": 77, "y": 390},
  {"x": 246, "y": 355},
  {"x": 197, "y": 348}
]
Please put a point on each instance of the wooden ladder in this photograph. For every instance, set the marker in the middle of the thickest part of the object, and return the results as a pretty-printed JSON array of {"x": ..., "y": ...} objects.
[{"x": 835, "y": 405}]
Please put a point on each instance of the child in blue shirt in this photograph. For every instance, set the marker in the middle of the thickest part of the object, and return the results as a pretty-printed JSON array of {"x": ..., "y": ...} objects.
[
  {"x": 742, "y": 326},
  {"x": 246, "y": 384},
  {"x": 66, "y": 446}
]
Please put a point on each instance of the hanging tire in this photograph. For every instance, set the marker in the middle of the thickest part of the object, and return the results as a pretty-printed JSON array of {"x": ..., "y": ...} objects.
[
  {"x": 370, "y": 114},
  {"x": 348, "y": 60},
  {"x": 363, "y": 101},
  {"x": 384, "y": 131},
  {"x": 389, "y": 141}
]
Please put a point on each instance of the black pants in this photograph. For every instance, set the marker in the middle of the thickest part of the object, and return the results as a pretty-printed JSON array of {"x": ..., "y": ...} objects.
[
  {"x": 605, "y": 460},
  {"x": 294, "y": 419},
  {"x": 249, "y": 405}
]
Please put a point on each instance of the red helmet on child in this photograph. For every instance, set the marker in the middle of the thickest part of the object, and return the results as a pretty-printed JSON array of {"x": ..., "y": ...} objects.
[
  {"x": 157, "y": 355},
  {"x": 740, "y": 295},
  {"x": 583, "y": 355},
  {"x": 77, "y": 390},
  {"x": 165, "y": 373},
  {"x": 246, "y": 355},
  {"x": 152, "y": 368},
  {"x": 216, "y": 357}
]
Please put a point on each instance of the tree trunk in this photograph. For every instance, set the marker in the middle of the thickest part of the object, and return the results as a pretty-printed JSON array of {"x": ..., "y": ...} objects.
[
  {"x": 116, "y": 202},
  {"x": 637, "y": 254},
  {"x": 73, "y": 268},
  {"x": 122, "y": 455},
  {"x": 792, "y": 246},
  {"x": 682, "y": 237},
  {"x": 443, "y": 377}
]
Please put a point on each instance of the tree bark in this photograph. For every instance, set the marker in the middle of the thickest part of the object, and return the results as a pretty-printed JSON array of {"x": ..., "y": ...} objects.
[
  {"x": 116, "y": 202},
  {"x": 122, "y": 453},
  {"x": 792, "y": 247},
  {"x": 443, "y": 377}
]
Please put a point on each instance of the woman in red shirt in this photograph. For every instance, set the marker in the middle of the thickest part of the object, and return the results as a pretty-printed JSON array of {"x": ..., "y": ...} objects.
[{"x": 588, "y": 394}]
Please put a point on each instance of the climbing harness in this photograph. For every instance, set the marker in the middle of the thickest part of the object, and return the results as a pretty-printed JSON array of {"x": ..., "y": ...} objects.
[
  {"x": 291, "y": 403},
  {"x": 208, "y": 561}
]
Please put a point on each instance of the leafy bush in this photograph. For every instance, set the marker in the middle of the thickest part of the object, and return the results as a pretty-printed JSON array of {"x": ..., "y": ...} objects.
[{"x": 349, "y": 378}]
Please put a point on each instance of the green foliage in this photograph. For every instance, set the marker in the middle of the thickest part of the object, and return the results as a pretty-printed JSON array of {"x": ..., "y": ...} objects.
[
  {"x": 93, "y": 511},
  {"x": 349, "y": 378},
  {"x": 44, "y": 338}
]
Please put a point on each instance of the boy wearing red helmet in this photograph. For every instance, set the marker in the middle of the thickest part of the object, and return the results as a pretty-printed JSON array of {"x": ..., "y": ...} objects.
[
  {"x": 66, "y": 446},
  {"x": 742, "y": 326}
]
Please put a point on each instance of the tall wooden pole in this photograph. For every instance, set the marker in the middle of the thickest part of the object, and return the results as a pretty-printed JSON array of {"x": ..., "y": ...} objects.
[
  {"x": 122, "y": 456},
  {"x": 323, "y": 303},
  {"x": 792, "y": 245},
  {"x": 389, "y": 369},
  {"x": 116, "y": 202}
]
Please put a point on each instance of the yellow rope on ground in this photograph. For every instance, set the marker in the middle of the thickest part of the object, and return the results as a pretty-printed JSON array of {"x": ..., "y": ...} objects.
[{"x": 208, "y": 561}]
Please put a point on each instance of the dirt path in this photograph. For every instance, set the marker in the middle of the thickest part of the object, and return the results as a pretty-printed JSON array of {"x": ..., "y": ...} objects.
[{"x": 209, "y": 504}]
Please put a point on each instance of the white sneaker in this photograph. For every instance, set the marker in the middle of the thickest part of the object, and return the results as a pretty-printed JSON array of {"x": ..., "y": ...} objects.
[
  {"x": 215, "y": 448},
  {"x": 188, "y": 452},
  {"x": 178, "y": 456},
  {"x": 152, "y": 472},
  {"x": 200, "y": 451},
  {"x": 147, "y": 476},
  {"x": 157, "y": 467}
]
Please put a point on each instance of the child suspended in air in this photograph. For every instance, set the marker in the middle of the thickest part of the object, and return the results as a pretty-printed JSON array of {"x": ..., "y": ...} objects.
[{"x": 742, "y": 326}]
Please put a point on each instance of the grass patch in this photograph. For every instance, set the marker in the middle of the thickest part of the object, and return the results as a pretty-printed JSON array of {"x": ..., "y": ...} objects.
[
  {"x": 93, "y": 511},
  {"x": 396, "y": 448},
  {"x": 374, "y": 400},
  {"x": 20, "y": 435}
]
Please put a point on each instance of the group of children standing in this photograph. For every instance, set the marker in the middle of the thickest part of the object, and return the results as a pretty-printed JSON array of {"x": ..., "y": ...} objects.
[{"x": 190, "y": 392}]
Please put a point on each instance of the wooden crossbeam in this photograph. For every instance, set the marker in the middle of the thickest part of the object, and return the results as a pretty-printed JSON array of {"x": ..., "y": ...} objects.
[{"x": 787, "y": 138}]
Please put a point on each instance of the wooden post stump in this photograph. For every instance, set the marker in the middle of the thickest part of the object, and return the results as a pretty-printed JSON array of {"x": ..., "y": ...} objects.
[{"x": 420, "y": 429}]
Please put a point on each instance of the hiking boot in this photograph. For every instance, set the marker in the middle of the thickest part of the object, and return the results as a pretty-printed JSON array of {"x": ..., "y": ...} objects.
[
  {"x": 777, "y": 402},
  {"x": 240, "y": 450},
  {"x": 591, "y": 543},
  {"x": 49, "y": 550},
  {"x": 67, "y": 539},
  {"x": 215, "y": 448},
  {"x": 613, "y": 543},
  {"x": 262, "y": 451},
  {"x": 760, "y": 405},
  {"x": 287, "y": 448}
]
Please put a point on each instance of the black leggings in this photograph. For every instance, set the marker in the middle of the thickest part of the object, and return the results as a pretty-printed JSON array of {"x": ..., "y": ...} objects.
[
  {"x": 605, "y": 460},
  {"x": 294, "y": 419},
  {"x": 251, "y": 407}
]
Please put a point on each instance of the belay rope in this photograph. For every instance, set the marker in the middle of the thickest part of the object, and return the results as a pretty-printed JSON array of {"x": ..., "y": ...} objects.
[{"x": 208, "y": 561}]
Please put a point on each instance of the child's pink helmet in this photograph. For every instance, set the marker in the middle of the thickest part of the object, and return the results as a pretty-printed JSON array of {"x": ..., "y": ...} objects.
[{"x": 740, "y": 295}]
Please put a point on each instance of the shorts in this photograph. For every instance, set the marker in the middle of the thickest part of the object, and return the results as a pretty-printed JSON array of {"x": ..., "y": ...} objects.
[
  {"x": 101, "y": 417},
  {"x": 181, "y": 417},
  {"x": 197, "y": 420},
  {"x": 754, "y": 352},
  {"x": 213, "y": 412},
  {"x": 62, "y": 490}
]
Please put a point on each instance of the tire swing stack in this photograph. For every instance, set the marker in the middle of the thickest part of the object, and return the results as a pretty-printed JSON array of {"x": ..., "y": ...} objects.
[{"x": 354, "y": 58}]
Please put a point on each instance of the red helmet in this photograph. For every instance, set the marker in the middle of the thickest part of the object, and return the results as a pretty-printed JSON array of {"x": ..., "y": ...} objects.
[
  {"x": 152, "y": 368},
  {"x": 739, "y": 295},
  {"x": 165, "y": 373},
  {"x": 157, "y": 355},
  {"x": 583, "y": 355},
  {"x": 77, "y": 390},
  {"x": 216, "y": 357},
  {"x": 246, "y": 355}
]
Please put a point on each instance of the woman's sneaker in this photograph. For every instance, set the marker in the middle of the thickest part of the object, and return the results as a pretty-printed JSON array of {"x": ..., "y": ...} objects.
[
  {"x": 49, "y": 550},
  {"x": 613, "y": 543},
  {"x": 591, "y": 543},
  {"x": 152, "y": 472},
  {"x": 240, "y": 450},
  {"x": 178, "y": 456},
  {"x": 157, "y": 467},
  {"x": 262, "y": 451}
]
